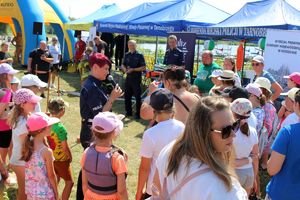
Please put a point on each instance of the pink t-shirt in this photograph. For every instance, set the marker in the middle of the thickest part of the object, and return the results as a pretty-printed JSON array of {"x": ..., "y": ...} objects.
[{"x": 5, "y": 100}]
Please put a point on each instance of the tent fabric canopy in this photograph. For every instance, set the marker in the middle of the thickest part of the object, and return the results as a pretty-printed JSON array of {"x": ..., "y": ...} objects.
[
  {"x": 157, "y": 19},
  {"x": 85, "y": 23},
  {"x": 253, "y": 20}
]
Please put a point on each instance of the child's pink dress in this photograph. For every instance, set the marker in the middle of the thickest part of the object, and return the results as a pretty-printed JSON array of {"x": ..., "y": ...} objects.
[{"x": 37, "y": 184}]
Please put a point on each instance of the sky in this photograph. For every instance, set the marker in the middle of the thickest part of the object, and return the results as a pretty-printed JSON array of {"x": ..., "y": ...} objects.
[{"x": 81, "y": 8}]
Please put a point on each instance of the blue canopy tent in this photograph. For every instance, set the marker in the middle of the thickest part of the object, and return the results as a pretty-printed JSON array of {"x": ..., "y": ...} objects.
[
  {"x": 86, "y": 22},
  {"x": 253, "y": 20},
  {"x": 157, "y": 19}
]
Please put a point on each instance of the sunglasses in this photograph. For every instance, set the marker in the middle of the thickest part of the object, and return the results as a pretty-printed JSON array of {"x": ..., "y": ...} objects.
[
  {"x": 255, "y": 64},
  {"x": 226, "y": 131}
]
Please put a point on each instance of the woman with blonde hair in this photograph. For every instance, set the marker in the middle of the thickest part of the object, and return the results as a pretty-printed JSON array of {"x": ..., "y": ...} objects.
[
  {"x": 199, "y": 164},
  {"x": 229, "y": 64}
]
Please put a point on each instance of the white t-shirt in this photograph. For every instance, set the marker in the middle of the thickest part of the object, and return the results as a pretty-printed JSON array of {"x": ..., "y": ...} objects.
[
  {"x": 55, "y": 52},
  {"x": 155, "y": 139},
  {"x": 290, "y": 119},
  {"x": 244, "y": 144},
  {"x": 206, "y": 186},
  {"x": 252, "y": 121},
  {"x": 19, "y": 130}
]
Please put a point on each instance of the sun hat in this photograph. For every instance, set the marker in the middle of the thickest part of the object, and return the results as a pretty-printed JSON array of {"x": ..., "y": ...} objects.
[
  {"x": 40, "y": 120},
  {"x": 7, "y": 69},
  {"x": 161, "y": 99},
  {"x": 258, "y": 59},
  {"x": 242, "y": 107},
  {"x": 263, "y": 83},
  {"x": 227, "y": 75},
  {"x": 295, "y": 77},
  {"x": 106, "y": 122},
  {"x": 25, "y": 96},
  {"x": 291, "y": 93},
  {"x": 15, "y": 80},
  {"x": 253, "y": 88},
  {"x": 216, "y": 73},
  {"x": 32, "y": 80}
]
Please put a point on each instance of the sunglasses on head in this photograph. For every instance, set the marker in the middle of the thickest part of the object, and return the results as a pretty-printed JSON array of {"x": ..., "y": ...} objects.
[
  {"x": 255, "y": 64},
  {"x": 226, "y": 131}
]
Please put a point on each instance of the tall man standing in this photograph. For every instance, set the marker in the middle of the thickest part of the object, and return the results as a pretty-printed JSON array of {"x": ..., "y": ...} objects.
[
  {"x": 133, "y": 65},
  {"x": 208, "y": 65},
  {"x": 173, "y": 56},
  {"x": 39, "y": 62}
]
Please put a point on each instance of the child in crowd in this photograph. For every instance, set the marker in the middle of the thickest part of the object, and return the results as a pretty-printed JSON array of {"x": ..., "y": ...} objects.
[
  {"x": 33, "y": 83},
  {"x": 25, "y": 101},
  {"x": 217, "y": 83},
  {"x": 15, "y": 84},
  {"x": 105, "y": 181},
  {"x": 271, "y": 120},
  {"x": 59, "y": 144},
  {"x": 156, "y": 138},
  {"x": 40, "y": 179}
]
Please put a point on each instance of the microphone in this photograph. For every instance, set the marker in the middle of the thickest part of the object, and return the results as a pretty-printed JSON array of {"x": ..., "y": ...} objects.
[{"x": 110, "y": 78}]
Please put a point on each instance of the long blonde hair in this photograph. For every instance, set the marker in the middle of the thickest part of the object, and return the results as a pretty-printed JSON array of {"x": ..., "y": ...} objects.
[
  {"x": 196, "y": 142},
  {"x": 14, "y": 115},
  {"x": 28, "y": 146}
]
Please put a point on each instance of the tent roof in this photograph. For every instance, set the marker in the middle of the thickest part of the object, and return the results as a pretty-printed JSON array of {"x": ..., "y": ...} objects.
[
  {"x": 264, "y": 13},
  {"x": 253, "y": 20},
  {"x": 161, "y": 18},
  {"x": 86, "y": 22}
]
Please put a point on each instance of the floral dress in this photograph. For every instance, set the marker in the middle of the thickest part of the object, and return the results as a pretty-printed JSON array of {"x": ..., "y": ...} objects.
[{"x": 37, "y": 184}]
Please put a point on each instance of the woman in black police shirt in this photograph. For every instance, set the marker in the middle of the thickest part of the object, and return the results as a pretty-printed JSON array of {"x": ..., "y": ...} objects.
[{"x": 94, "y": 98}]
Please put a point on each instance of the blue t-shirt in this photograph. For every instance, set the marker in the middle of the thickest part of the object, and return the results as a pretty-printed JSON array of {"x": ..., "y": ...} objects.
[
  {"x": 286, "y": 183},
  {"x": 266, "y": 75}
]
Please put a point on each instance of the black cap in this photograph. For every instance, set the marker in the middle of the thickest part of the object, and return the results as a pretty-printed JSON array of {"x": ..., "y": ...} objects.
[
  {"x": 161, "y": 99},
  {"x": 238, "y": 92}
]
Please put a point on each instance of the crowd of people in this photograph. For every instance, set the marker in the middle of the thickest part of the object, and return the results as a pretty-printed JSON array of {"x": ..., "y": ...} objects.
[{"x": 204, "y": 141}]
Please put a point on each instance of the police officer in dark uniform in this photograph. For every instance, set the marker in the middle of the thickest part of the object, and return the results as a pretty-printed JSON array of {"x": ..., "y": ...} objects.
[
  {"x": 94, "y": 98},
  {"x": 173, "y": 56},
  {"x": 133, "y": 65}
]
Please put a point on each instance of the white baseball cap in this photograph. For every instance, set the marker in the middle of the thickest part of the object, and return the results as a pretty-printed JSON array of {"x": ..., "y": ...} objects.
[
  {"x": 291, "y": 93},
  {"x": 259, "y": 59},
  {"x": 32, "y": 80}
]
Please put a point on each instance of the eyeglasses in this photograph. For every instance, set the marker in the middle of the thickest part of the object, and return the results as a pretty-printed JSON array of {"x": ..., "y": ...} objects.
[
  {"x": 226, "y": 131},
  {"x": 255, "y": 64}
]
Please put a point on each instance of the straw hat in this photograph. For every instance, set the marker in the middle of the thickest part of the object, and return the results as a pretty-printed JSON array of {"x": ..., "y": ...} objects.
[{"x": 227, "y": 75}]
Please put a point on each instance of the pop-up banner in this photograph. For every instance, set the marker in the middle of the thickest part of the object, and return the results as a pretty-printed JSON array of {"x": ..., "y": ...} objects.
[
  {"x": 282, "y": 53},
  {"x": 186, "y": 43}
]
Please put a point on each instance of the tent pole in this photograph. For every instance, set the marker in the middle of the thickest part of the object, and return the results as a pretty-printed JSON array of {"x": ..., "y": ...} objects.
[
  {"x": 242, "y": 76},
  {"x": 198, "y": 52},
  {"x": 124, "y": 50},
  {"x": 156, "y": 50}
]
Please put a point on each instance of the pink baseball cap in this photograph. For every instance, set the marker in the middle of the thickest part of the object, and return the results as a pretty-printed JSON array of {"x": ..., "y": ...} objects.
[
  {"x": 40, "y": 120},
  {"x": 7, "y": 69},
  {"x": 106, "y": 122},
  {"x": 294, "y": 77},
  {"x": 253, "y": 88},
  {"x": 25, "y": 96}
]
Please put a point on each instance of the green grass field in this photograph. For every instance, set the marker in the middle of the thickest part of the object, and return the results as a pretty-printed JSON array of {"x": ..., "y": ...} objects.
[{"x": 130, "y": 139}]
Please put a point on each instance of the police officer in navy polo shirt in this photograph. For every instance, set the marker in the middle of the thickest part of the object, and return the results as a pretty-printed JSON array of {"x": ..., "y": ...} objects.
[
  {"x": 133, "y": 65},
  {"x": 94, "y": 98},
  {"x": 173, "y": 55}
]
